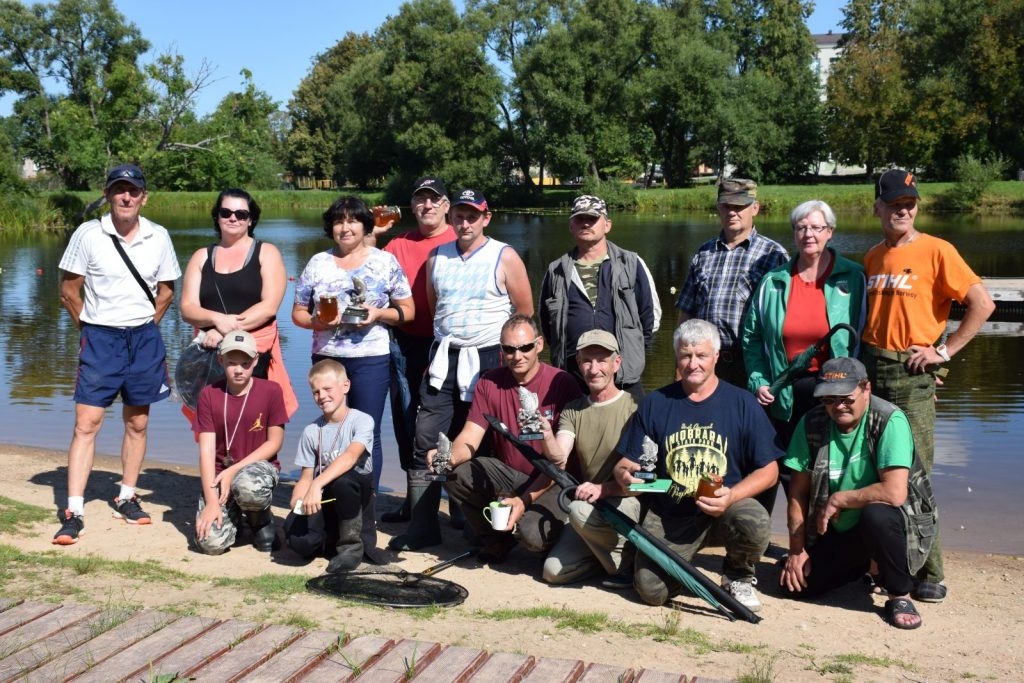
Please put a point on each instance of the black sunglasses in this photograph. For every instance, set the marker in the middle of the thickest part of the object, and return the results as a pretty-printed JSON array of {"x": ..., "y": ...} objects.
[
  {"x": 240, "y": 214},
  {"x": 125, "y": 173},
  {"x": 508, "y": 349}
]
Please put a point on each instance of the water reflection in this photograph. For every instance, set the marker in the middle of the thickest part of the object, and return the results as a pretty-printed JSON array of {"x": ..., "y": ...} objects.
[{"x": 980, "y": 409}]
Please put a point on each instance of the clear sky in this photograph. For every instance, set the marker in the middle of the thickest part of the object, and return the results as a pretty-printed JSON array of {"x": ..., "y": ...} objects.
[{"x": 277, "y": 41}]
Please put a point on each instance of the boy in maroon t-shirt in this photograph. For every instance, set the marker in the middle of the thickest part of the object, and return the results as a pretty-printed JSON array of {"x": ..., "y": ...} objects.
[{"x": 241, "y": 428}]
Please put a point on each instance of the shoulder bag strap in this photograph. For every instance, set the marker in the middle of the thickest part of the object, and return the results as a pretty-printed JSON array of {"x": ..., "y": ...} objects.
[{"x": 131, "y": 267}]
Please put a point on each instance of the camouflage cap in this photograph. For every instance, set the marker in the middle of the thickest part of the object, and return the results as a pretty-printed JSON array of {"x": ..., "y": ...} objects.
[
  {"x": 737, "y": 191},
  {"x": 589, "y": 205}
]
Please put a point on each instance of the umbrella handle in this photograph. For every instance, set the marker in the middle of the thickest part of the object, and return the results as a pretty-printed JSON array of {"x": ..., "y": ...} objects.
[{"x": 565, "y": 497}]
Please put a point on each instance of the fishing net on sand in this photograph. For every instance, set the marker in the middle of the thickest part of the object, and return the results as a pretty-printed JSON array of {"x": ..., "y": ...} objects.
[{"x": 390, "y": 589}]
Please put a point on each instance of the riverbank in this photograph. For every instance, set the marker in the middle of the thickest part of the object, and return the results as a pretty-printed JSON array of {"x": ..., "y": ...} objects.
[
  {"x": 972, "y": 635},
  {"x": 55, "y": 211}
]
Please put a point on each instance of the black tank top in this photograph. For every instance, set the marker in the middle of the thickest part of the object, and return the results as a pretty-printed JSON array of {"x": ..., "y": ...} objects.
[{"x": 240, "y": 289}]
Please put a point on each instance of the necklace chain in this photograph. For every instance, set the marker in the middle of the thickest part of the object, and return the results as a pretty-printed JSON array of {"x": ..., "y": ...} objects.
[{"x": 230, "y": 438}]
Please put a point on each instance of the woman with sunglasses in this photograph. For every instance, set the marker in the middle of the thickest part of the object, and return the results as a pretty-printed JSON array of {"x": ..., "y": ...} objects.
[
  {"x": 238, "y": 283},
  {"x": 355, "y": 276},
  {"x": 793, "y": 307}
]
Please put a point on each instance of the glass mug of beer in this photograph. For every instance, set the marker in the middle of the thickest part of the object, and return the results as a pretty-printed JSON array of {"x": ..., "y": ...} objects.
[
  {"x": 382, "y": 215},
  {"x": 327, "y": 311}
]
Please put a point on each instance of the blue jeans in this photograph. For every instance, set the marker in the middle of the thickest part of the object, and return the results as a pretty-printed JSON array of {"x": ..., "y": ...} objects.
[{"x": 369, "y": 378}]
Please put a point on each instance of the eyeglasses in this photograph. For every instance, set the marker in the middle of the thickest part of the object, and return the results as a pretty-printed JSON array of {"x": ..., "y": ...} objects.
[
  {"x": 816, "y": 229},
  {"x": 510, "y": 350},
  {"x": 845, "y": 401},
  {"x": 240, "y": 214},
  {"x": 424, "y": 196}
]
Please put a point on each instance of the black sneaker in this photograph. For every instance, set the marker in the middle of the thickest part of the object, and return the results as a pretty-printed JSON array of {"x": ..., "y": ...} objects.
[
  {"x": 71, "y": 527},
  {"x": 130, "y": 511},
  {"x": 617, "y": 582}
]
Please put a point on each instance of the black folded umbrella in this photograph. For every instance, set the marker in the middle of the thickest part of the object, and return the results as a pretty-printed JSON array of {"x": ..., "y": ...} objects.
[{"x": 803, "y": 359}]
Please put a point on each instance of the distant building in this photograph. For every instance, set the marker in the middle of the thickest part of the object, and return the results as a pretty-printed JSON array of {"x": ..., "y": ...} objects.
[
  {"x": 29, "y": 169},
  {"x": 828, "y": 52}
]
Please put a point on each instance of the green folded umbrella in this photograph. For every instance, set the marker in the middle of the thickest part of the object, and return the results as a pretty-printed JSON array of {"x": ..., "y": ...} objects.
[
  {"x": 803, "y": 359},
  {"x": 645, "y": 542}
]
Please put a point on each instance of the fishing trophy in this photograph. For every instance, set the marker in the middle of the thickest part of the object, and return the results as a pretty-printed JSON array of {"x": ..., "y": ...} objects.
[
  {"x": 529, "y": 416},
  {"x": 354, "y": 313},
  {"x": 441, "y": 465},
  {"x": 648, "y": 461}
]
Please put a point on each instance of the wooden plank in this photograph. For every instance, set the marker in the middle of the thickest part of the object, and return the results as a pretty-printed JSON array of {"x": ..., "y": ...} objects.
[
  {"x": 648, "y": 676},
  {"x": 553, "y": 669},
  {"x": 20, "y": 615},
  {"x": 405, "y": 658},
  {"x": 599, "y": 673},
  {"x": 452, "y": 665},
  {"x": 7, "y": 602},
  {"x": 103, "y": 644},
  {"x": 44, "y": 638},
  {"x": 136, "y": 661},
  {"x": 350, "y": 660},
  {"x": 218, "y": 639},
  {"x": 247, "y": 655},
  {"x": 504, "y": 666},
  {"x": 294, "y": 660}
]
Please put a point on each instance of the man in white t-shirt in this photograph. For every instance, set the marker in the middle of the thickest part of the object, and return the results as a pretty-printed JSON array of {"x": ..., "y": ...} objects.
[{"x": 117, "y": 280}]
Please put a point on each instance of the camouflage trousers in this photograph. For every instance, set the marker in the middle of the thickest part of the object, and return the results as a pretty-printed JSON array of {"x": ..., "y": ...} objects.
[
  {"x": 744, "y": 529},
  {"x": 915, "y": 396},
  {"x": 251, "y": 491}
]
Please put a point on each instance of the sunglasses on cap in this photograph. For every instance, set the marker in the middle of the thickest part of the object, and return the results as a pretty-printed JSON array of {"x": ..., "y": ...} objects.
[
  {"x": 240, "y": 214},
  {"x": 509, "y": 350}
]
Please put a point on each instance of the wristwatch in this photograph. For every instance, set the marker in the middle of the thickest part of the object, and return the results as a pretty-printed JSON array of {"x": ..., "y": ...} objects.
[{"x": 941, "y": 350}]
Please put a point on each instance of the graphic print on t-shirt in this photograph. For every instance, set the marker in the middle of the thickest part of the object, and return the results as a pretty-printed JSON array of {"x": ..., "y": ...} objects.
[{"x": 690, "y": 453}]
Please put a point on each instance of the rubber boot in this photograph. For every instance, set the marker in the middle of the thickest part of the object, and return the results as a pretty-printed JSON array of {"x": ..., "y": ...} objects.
[
  {"x": 456, "y": 519},
  {"x": 263, "y": 533},
  {"x": 350, "y": 546},
  {"x": 399, "y": 514},
  {"x": 423, "y": 530}
]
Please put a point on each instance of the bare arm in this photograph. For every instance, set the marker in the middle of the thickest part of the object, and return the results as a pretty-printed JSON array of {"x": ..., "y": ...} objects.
[
  {"x": 798, "y": 565},
  {"x": 164, "y": 297},
  {"x": 979, "y": 306},
  {"x": 71, "y": 295},
  {"x": 516, "y": 281},
  {"x": 891, "y": 490}
]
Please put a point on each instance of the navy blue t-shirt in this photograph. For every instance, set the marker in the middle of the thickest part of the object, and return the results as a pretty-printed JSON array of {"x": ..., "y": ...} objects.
[{"x": 727, "y": 433}]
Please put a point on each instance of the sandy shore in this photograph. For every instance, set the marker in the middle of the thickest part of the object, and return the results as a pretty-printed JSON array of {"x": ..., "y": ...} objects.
[{"x": 974, "y": 634}]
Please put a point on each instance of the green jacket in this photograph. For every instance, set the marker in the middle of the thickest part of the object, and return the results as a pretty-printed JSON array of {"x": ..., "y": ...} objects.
[{"x": 763, "y": 351}]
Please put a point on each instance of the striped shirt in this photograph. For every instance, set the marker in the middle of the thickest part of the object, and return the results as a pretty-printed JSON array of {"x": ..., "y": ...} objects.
[{"x": 721, "y": 280}]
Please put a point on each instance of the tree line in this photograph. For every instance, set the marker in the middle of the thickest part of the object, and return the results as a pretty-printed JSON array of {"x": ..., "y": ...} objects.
[{"x": 508, "y": 92}]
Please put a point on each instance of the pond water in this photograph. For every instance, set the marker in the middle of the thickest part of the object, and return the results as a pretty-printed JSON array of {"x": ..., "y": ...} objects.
[{"x": 981, "y": 408}]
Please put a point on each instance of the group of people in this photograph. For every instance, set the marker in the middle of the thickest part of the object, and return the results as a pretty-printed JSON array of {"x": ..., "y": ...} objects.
[{"x": 443, "y": 319}]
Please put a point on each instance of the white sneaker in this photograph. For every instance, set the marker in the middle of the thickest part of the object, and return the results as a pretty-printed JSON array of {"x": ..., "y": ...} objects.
[{"x": 744, "y": 592}]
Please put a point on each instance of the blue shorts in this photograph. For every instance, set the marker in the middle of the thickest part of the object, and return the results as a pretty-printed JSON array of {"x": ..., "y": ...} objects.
[{"x": 131, "y": 362}]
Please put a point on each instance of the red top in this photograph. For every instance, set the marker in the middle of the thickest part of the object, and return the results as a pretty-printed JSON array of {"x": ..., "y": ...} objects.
[
  {"x": 412, "y": 250},
  {"x": 806, "y": 319}
]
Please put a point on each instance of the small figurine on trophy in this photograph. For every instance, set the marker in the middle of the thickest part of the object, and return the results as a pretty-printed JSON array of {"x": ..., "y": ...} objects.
[
  {"x": 529, "y": 416},
  {"x": 354, "y": 313},
  {"x": 441, "y": 465},
  {"x": 648, "y": 459}
]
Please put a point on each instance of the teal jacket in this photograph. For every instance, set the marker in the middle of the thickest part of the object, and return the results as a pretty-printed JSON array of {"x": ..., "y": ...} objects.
[{"x": 763, "y": 350}]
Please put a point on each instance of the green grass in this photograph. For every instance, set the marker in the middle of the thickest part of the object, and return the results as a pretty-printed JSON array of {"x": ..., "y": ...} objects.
[
  {"x": 266, "y": 585},
  {"x": 585, "y": 622},
  {"x": 19, "y": 517}
]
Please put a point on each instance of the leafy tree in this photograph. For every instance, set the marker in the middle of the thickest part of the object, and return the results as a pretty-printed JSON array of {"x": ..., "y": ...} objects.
[
  {"x": 868, "y": 102},
  {"x": 89, "y": 49},
  {"x": 311, "y": 141}
]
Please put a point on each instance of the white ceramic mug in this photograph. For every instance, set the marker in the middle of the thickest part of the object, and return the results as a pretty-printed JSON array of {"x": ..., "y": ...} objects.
[{"x": 497, "y": 514}]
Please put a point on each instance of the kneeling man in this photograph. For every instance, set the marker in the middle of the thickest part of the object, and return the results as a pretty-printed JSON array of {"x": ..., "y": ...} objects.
[
  {"x": 703, "y": 426},
  {"x": 858, "y": 494}
]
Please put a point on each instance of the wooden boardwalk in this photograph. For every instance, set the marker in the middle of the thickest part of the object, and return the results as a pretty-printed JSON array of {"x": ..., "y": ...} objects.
[{"x": 58, "y": 642}]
